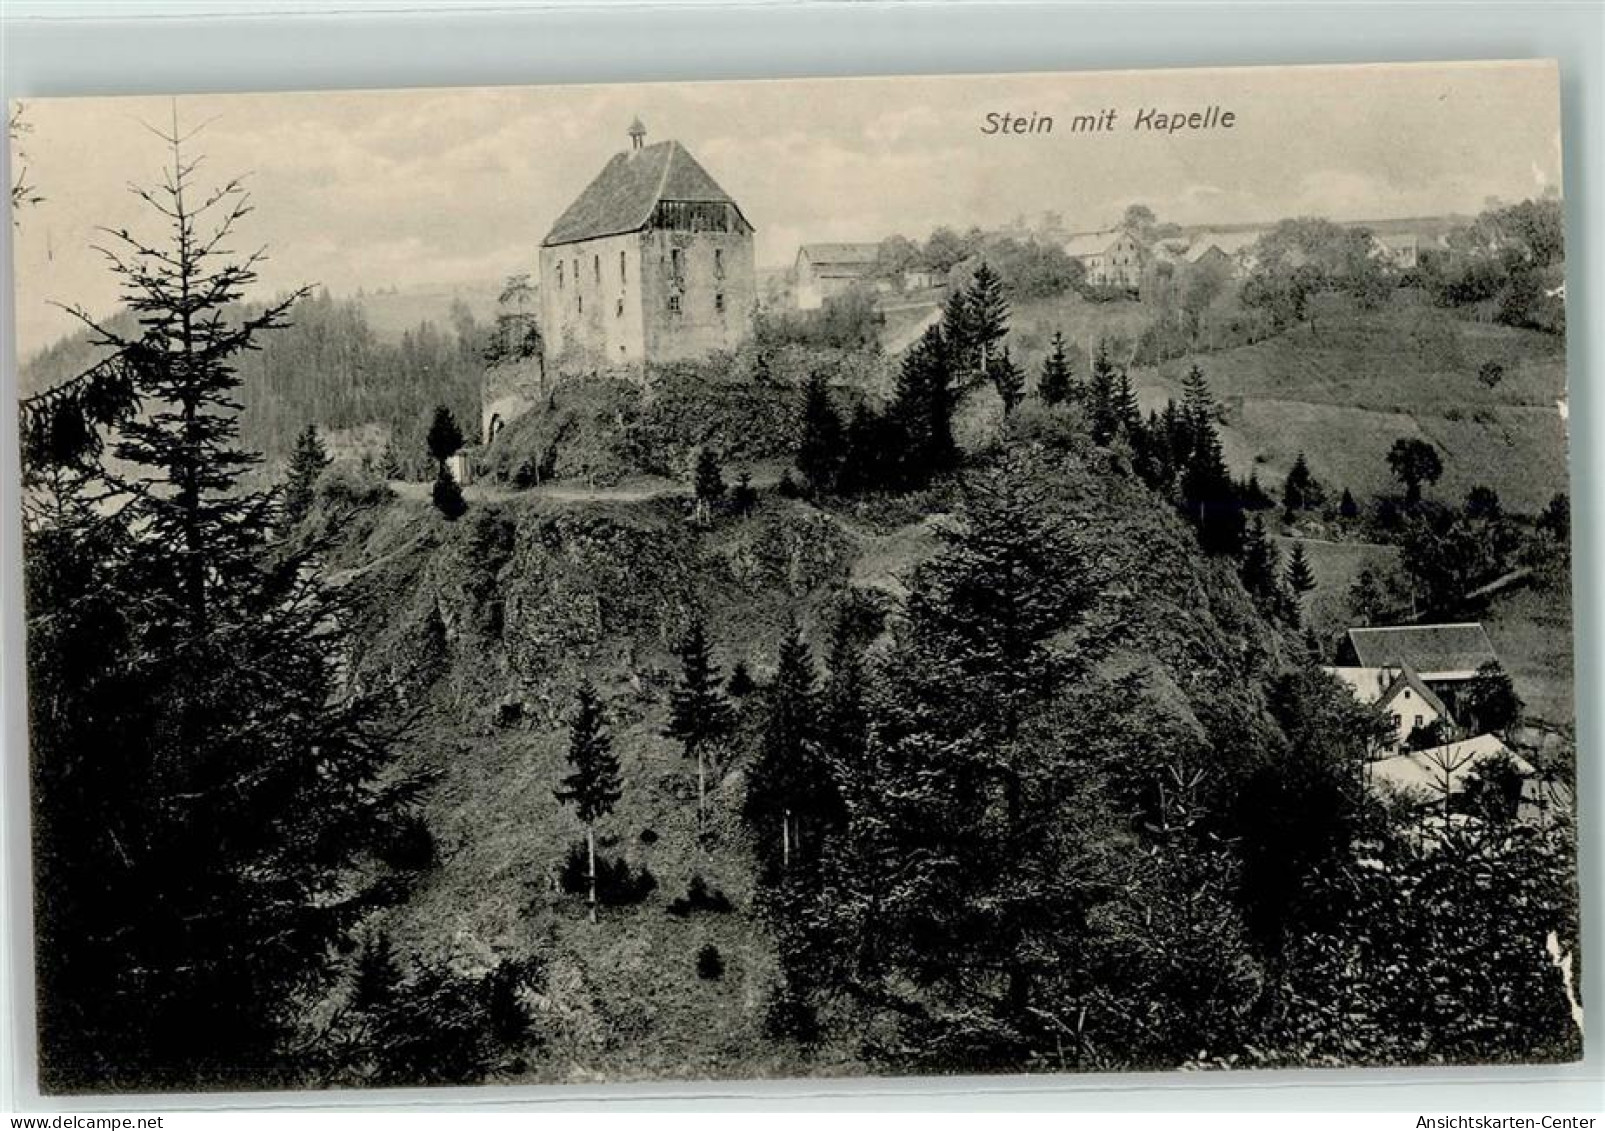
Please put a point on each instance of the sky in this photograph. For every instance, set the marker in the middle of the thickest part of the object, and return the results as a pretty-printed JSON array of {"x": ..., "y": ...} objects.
[{"x": 445, "y": 187}]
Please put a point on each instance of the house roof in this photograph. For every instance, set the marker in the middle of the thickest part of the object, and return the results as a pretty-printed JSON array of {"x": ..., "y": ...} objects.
[
  {"x": 1408, "y": 679},
  {"x": 1229, "y": 242},
  {"x": 1438, "y": 651},
  {"x": 1092, "y": 243},
  {"x": 855, "y": 255},
  {"x": 1422, "y": 774},
  {"x": 630, "y": 186}
]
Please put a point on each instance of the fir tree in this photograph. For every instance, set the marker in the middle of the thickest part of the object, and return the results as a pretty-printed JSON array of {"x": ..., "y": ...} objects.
[
  {"x": 1102, "y": 398},
  {"x": 445, "y": 437},
  {"x": 1057, "y": 385},
  {"x": 989, "y": 315},
  {"x": 741, "y": 683},
  {"x": 1124, "y": 408},
  {"x": 1300, "y": 579},
  {"x": 306, "y": 465},
  {"x": 1209, "y": 497},
  {"x": 1301, "y": 491},
  {"x": 447, "y": 495},
  {"x": 707, "y": 483},
  {"x": 1366, "y": 599},
  {"x": 744, "y": 496},
  {"x": 789, "y": 787},
  {"x": 1009, "y": 381},
  {"x": 699, "y": 715},
  {"x": 820, "y": 451},
  {"x": 922, "y": 410},
  {"x": 1261, "y": 566},
  {"x": 594, "y": 786},
  {"x": 206, "y": 784},
  {"x": 1347, "y": 507},
  {"x": 958, "y": 335}
]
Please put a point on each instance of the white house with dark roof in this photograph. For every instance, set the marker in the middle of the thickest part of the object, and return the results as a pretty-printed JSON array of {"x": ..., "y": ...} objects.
[
  {"x": 652, "y": 262},
  {"x": 1400, "y": 694},
  {"x": 825, "y": 270},
  {"x": 1112, "y": 258}
]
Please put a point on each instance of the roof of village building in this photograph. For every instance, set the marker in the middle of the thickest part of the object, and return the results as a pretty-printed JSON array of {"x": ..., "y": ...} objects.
[
  {"x": 1436, "y": 651},
  {"x": 1383, "y": 685},
  {"x": 1424, "y": 774},
  {"x": 629, "y": 188},
  {"x": 1092, "y": 243},
  {"x": 840, "y": 255},
  {"x": 1230, "y": 243}
]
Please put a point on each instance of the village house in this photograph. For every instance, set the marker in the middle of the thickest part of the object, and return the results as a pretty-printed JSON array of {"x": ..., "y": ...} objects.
[
  {"x": 825, "y": 270},
  {"x": 653, "y": 262},
  {"x": 1399, "y": 252},
  {"x": 1400, "y": 694},
  {"x": 1440, "y": 658},
  {"x": 1112, "y": 258}
]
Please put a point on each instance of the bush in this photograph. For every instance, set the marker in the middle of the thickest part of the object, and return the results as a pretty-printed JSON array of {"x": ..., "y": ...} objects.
[
  {"x": 616, "y": 884},
  {"x": 710, "y": 964},
  {"x": 700, "y": 897},
  {"x": 649, "y": 836}
]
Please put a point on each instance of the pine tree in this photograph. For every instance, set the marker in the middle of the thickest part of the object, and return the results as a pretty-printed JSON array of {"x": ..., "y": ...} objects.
[
  {"x": 445, "y": 437},
  {"x": 1348, "y": 508},
  {"x": 1102, "y": 398},
  {"x": 1209, "y": 497},
  {"x": 820, "y": 451},
  {"x": 1300, "y": 579},
  {"x": 699, "y": 715},
  {"x": 741, "y": 682},
  {"x": 1057, "y": 385},
  {"x": 447, "y": 495},
  {"x": 306, "y": 465},
  {"x": 1198, "y": 403},
  {"x": 989, "y": 315},
  {"x": 962, "y": 869},
  {"x": 958, "y": 335},
  {"x": 1261, "y": 566},
  {"x": 1301, "y": 491},
  {"x": 922, "y": 410},
  {"x": 594, "y": 786},
  {"x": 206, "y": 784},
  {"x": 789, "y": 786},
  {"x": 1126, "y": 411},
  {"x": 1366, "y": 599},
  {"x": 744, "y": 496},
  {"x": 707, "y": 483},
  {"x": 1009, "y": 381}
]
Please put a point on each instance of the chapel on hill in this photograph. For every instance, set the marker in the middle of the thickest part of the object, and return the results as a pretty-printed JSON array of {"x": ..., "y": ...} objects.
[{"x": 653, "y": 262}]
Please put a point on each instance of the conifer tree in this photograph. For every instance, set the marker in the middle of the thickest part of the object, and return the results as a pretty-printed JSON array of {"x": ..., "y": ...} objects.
[
  {"x": 958, "y": 334},
  {"x": 447, "y": 495},
  {"x": 699, "y": 715},
  {"x": 789, "y": 787},
  {"x": 1009, "y": 381},
  {"x": 1300, "y": 579},
  {"x": 306, "y": 465},
  {"x": 741, "y": 682},
  {"x": 1347, "y": 507},
  {"x": 1209, "y": 497},
  {"x": 707, "y": 483},
  {"x": 1301, "y": 491},
  {"x": 1198, "y": 403},
  {"x": 1057, "y": 385},
  {"x": 1261, "y": 566},
  {"x": 1102, "y": 398},
  {"x": 206, "y": 784},
  {"x": 989, "y": 315},
  {"x": 1125, "y": 409},
  {"x": 922, "y": 410},
  {"x": 445, "y": 436},
  {"x": 594, "y": 786},
  {"x": 820, "y": 451},
  {"x": 1366, "y": 599}
]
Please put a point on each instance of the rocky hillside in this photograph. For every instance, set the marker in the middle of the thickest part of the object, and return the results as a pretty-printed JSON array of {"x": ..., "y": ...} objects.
[{"x": 489, "y": 624}]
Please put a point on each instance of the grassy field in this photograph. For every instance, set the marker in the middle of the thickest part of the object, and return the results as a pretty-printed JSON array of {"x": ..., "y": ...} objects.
[
  {"x": 1336, "y": 565},
  {"x": 1531, "y": 629}
]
